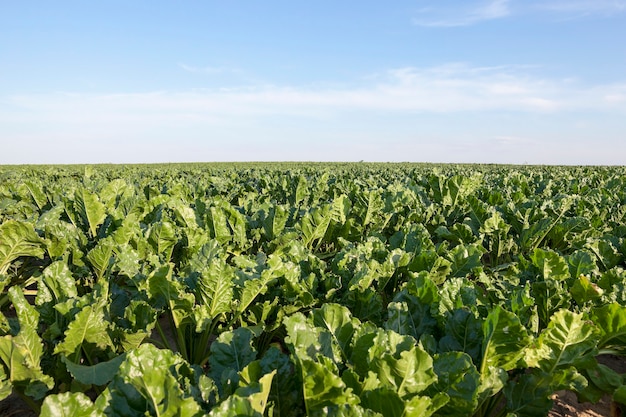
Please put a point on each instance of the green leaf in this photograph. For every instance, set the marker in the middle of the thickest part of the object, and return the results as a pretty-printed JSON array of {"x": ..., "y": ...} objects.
[
  {"x": 162, "y": 237},
  {"x": 99, "y": 374},
  {"x": 315, "y": 223},
  {"x": 69, "y": 404},
  {"x": 37, "y": 192},
  {"x": 256, "y": 388},
  {"x": 90, "y": 209},
  {"x": 409, "y": 372},
  {"x": 385, "y": 401},
  {"x": 59, "y": 280},
  {"x": 18, "y": 239},
  {"x": 459, "y": 379},
  {"x": 337, "y": 321},
  {"x": 611, "y": 322},
  {"x": 529, "y": 395},
  {"x": 151, "y": 381},
  {"x": 90, "y": 326},
  {"x": 504, "y": 341},
  {"x": 550, "y": 264},
  {"x": 566, "y": 341},
  {"x": 215, "y": 287},
  {"x": 230, "y": 354},
  {"x": 464, "y": 258},
  {"x": 581, "y": 262},
  {"x": 463, "y": 333},
  {"x": 322, "y": 386},
  {"x": 584, "y": 291},
  {"x": 22, "y": 354},
  {"x": 100, "y": 257}
]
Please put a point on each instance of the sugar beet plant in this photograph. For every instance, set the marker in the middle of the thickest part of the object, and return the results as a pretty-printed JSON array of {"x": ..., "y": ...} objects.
[{"x": 310, "y": 289}]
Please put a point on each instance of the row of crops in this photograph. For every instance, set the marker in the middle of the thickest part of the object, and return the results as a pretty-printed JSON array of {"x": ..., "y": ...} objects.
[{"x": 310, "y": 289}]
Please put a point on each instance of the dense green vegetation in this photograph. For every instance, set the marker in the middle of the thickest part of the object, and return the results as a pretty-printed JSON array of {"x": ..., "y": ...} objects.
[{"x": 310, "y": 289}]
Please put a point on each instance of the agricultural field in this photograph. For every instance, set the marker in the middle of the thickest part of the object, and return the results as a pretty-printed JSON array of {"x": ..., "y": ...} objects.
[{"x": 288, "y": 289}]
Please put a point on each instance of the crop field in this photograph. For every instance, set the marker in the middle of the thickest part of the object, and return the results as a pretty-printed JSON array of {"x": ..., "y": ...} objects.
[{"x": 305, "y": 289}]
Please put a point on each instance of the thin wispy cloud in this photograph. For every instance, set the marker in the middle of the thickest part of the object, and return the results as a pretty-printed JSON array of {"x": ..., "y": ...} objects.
[
  {"x": 208, "y": 69},
  {"x": 582, "y": 8},
  {"x": 451, "y": 88},
  {"x": 483, "y": 11}
]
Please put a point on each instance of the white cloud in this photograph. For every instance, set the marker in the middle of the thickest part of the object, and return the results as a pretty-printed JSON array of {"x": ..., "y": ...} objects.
[
  {"x": 455, "y": 112},
  {"x": 208, "y": 69},
  {"x": 478, "y": 12},
  {"x": 581, "y": 8},
  {"x": 442, "y": 89},
  {"x": 490, "y": 10}
]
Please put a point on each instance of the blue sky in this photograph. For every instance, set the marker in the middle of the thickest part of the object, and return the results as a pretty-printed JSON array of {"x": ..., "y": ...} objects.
[{"x": 488, "y": 81}]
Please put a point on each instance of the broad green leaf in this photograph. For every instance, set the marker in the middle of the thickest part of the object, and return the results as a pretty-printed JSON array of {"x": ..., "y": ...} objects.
[
  {"x": 409, "y": 372},
  {"x": 584, "y": 290},
  {"x": 90, "y": 326},
  {"x": 22, "y": 353},
  {"x": 37, "y": 192},
  {"x": 98, "y": 374},
  {"x": 215, "y": 287},
  {"x": 581, "y": 262},
  {"x": 464, "y": 258},
  {"x": 385, "y": 401},
  {"x": 463, "y": 333},
  {"x": 459, "y": 379},
  {"x": 100, "y": 257},
  {"x": 567, "y": 341},
  {"x": 162, "y": 237},
  {"x": 235, "y": 406},
  {"x": 337, "y": 321},
  {"x": 410, "y": 317},
  {"x": 550, "y": 264},
  {"x": 151, "y": 381},
  {"x": 91, "y": 211},
  {"x": 231, "y": 353},
  {"x": 529, "y": 395},
  {"x": 59, "y": 280},
  {"x": 18, "y": 239},
  {"x": 256, "y": 389},
  {"x": 322, "y": 386},
  {"x": 504, "y": 341},
  {"x": 315, "y": 223},
  {"x": 611, "y": 322},
  {"x": 69, "y": 404},
  {"x": 286, "y": 395}
]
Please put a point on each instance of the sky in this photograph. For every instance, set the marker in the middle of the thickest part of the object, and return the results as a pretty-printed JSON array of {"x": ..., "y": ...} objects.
[{"x": 472, "y": 81}]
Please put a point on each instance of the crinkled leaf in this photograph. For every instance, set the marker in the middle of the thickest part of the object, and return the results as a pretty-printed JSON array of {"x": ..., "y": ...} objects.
[
  {"x": 409, "y": 373},
  {"x": 90, "y": 210},
  {"x": 100, "y": 257},
  {"x": 151, "y": 381},
  {"x": 90, "y": 326},
  {"x": 459, "y": 379},
  {"x": 215, "y": 287},
  {"x": 231, "y": 352},
  {"x": 322, "y": 385},
  {"x": 337, "y": 321},
  {"x": 68, "y": 404},
  {"x": 504, "y": 340},
  {"x": 550, "y": 264},
  {"x": 611, "y": 322},
  {"x": 567, "y": 340},
  {"x": 463, "y": 333},
  {"x": 464, "y": 258},
  {"x": 18, "y": 239}
]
